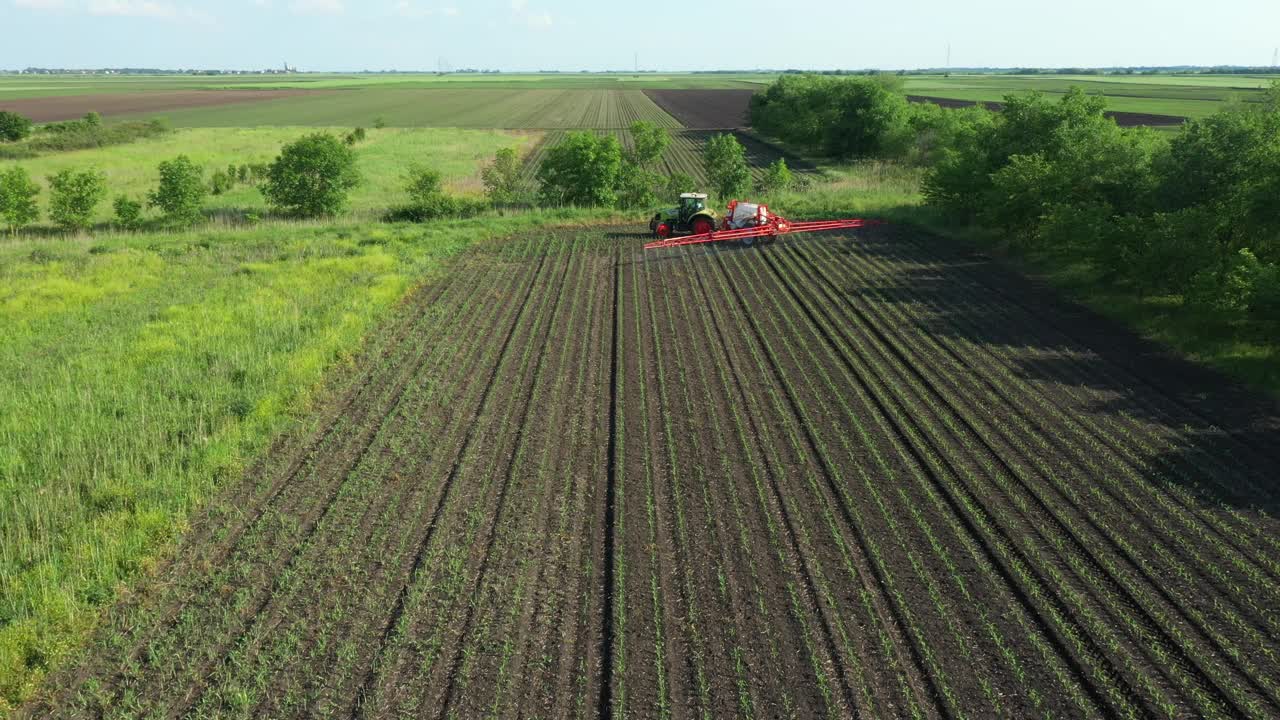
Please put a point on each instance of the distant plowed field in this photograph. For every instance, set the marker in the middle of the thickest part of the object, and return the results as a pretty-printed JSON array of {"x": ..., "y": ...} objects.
[
  {"x": 70, "y": 107},
  {"x": 467, "y": 108},
  {"x": 705, "y": 109},
  {"x": 839, "y": 476}
]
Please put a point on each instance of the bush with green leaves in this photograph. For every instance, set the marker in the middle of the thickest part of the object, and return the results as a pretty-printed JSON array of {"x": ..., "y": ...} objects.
[
  {"x": 429, "y": 201},
  {"x": 18, "y": 192},
  {"x": 73, "y": 197},
  {"x": 501, "y": 177},
  {"x": 312, "y": 176},
  {"x": 221, "y": 182},
  {"x": 356, "y": 136},
  {"x": 777, "y": 177},
  {"x": 582, "y": 170},
  {"x": 181, "y": 192},
  {"x": 726, "y": 164},
  {"x": 128, "y": 212},
  {"x": 14, "y": 127},
  {"x": 648, "y": 142}
]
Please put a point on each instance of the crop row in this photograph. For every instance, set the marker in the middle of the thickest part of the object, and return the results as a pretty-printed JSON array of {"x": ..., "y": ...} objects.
[{"x": 829, "y": 477}]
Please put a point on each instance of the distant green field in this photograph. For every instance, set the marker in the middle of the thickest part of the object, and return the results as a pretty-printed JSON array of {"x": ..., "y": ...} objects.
[
  {"x": 1192, "y": 96},
  {"x": 13, "y": 87},
  {"x": 383, "y": 159}
]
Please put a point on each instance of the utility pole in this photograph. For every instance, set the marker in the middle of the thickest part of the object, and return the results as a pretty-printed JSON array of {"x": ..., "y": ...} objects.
[
  {"x": 948, "y": 57},
  {"x": 1275, "y": 58},
  {"x": 637, "y": 61}
]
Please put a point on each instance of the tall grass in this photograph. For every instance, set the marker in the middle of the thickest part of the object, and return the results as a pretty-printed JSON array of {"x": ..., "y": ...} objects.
[{"x": 140, "y": 372}]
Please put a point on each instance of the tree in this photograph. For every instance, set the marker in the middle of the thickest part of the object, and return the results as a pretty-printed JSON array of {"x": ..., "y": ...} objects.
[
  {"x": 73, "y": 196},
  {"x": 181, "y": 192},
  {"x": 312, "y": 176},
  {"x": 726, "y": 164},
  {"x": 582, "y": 170},
  {"x": 18, "y": 193},
  {"x": 501, "y": 178},
  {"x": 777, "y": 177},
  {"x": 93, "y": 119},
  {"x": 13, "y": 127},
  {"x": 128, "y": 212},
  {"x": 636, "y": 186},
  {"x": 679, "y": 183},
  {"x": 428, "y": 200},
  {"x": 649, "y": 142}
]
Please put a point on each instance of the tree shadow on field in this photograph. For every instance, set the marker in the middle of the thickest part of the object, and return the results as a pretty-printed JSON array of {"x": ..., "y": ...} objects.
[{"x": 1164, "y": 418}]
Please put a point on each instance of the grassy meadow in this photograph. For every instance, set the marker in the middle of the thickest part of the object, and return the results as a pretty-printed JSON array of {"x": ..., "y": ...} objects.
[
  {"x": 143, "y": 370},
  {"x": 383, "y": 159}
]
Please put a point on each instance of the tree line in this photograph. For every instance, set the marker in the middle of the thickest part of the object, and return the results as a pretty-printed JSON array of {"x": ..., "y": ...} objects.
[
  {"x": 313, "y": 176},
  {"x": 1195, "y": 215}
]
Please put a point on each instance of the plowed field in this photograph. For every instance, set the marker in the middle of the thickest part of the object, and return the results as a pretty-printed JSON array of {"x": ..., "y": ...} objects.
[{"x": 842, "y": 475}]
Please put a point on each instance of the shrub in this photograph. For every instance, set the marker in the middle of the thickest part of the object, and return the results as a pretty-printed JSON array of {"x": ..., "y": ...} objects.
[
  {"x": 181, "y": 192},
  {"x": 128, "y": 212},
  {"x": 18, "y": 206},
  {"x": 582, "y": 170},
  {"x": 312, "y": 176},
  {"x": 649, "y": 142},
  {"x": 501, "y": 177},
  {"x": 380, "y": 123},
  {"x": 221, "y": 182},
  {"x": 14, "y": 127},
  {"x": 726, "y": 163},
  {"x": 428, "y": 200},
  {"x": 356, "y": 136},
  {"x": 777, "y": 177},
  {"x": 73, "y": 196}
]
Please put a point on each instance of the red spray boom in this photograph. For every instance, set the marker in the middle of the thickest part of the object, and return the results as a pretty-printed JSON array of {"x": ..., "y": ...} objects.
[{"x": 757, "y": 222}]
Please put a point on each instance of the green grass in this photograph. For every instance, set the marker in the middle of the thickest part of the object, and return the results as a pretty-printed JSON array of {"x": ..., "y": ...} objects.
[
  {"x": 142, "y": 371},
  {"x": 383, "y": 159},
  {"x": 1194, "y": 96}
]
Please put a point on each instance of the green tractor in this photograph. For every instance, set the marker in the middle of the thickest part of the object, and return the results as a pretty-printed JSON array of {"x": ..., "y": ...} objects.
[{"x": 692, "y": 217}]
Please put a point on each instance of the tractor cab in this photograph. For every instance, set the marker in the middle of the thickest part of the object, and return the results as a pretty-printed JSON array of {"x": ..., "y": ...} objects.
[
  {"x": 691, "y": 204},
  {"x": 691, "y": 216}
]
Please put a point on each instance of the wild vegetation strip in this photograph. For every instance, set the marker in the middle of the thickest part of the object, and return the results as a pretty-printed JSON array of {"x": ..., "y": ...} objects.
[
  {"x": 1123, "y": 119},
  {"x": 840, "y": 475}
]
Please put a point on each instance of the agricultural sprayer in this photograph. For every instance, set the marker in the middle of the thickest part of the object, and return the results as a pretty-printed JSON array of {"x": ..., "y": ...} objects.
[{"x": 693, "y": 223}]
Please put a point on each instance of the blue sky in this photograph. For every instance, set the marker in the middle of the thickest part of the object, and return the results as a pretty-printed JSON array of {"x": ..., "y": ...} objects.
[{"x": 603, "y": 35}]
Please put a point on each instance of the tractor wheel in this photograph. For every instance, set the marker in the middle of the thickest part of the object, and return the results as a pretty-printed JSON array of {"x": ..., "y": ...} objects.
[
  {"x": 747, "y": 242},
  {"x": 663, "y": 231},
  {"x": 702, "y": 226}
]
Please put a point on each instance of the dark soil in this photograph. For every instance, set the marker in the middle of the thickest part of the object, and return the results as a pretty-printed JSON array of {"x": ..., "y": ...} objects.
[
  {"x": 71, "y": 107},
  {"x": 705, "y": 109},
  {"x": 843, "y": 475}
]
